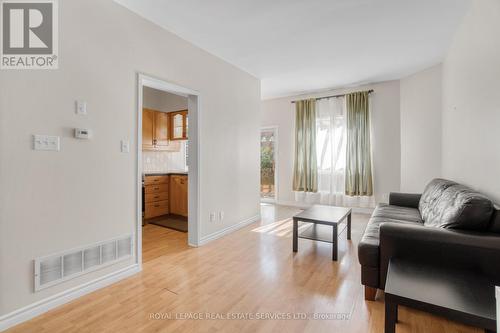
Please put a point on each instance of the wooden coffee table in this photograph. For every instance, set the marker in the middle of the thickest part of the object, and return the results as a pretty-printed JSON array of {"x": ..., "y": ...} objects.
[{"x": 321, "y": 219}]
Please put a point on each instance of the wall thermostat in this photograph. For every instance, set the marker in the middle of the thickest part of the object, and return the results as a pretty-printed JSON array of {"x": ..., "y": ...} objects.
[{"x": 83, "y": 133}]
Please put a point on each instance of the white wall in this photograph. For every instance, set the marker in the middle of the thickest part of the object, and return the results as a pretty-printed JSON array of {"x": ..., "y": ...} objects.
[
  {"x": 385, "y": 134},
  {"x": 52, "y": 201},
  {"x": 421, "y": 99},
  {"x": 449, "y": 117},
  {"x": 471, "y": 101}
]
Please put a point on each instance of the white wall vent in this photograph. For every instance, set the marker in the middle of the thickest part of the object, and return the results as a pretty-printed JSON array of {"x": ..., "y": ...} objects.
[{"x": 56, "y": 268}]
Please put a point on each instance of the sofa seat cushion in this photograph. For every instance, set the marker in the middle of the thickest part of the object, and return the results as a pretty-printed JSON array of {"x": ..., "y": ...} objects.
[
  {"x": 368, "y": 248},
  {"x": 446, "y": 204},
  {"x": 397, "y": 213}
]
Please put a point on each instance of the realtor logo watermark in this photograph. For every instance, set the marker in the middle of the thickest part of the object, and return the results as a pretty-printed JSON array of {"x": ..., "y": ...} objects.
[{"x": 29, "y": 34}]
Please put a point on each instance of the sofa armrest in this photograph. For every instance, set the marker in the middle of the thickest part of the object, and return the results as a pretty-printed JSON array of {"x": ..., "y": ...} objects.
[
  {"x": 410, "y": 200},
  {"x": 475, "y": 251}
]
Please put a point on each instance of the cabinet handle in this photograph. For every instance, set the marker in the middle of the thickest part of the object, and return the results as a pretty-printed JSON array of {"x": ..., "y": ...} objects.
[
  {"x": 156, "y": 188},
  {"x": 156, "y": 197},
  {"x": 156, "y": 180},
  {"x": 157, "y": 205}
]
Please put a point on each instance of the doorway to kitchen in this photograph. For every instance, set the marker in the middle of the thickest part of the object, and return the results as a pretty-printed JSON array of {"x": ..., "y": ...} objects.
[
  {"x": 268, "y": 164},
  {"x": 167, "y": 167}
]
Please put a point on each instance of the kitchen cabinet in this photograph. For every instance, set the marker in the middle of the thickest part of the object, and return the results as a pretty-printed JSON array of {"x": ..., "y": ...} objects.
[
  {"x": 179, "y": 194},
  {"x": 179, "y": 125},
  {"x": 148, "y": 117},
  {"x": 156, "y": 131},
  {"x": 156, "y": 196},
  {"x": 161, "y": 130}
]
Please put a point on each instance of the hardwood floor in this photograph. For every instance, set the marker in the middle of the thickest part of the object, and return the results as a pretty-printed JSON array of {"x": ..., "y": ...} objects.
[
  {"x": 158, "y": 241},
  {"x": 252, "y": 271}
]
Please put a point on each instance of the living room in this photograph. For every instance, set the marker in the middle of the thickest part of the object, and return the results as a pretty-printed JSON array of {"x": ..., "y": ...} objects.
[{"x": 376, "y": 209}]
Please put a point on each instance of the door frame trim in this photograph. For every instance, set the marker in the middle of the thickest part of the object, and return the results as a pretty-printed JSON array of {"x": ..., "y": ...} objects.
[
  {"x": 194, "y": 106},
  {"x": 275, "y": 128}
]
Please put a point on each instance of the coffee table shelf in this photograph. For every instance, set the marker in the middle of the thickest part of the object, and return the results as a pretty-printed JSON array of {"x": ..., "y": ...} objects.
[{"x": 321, "y": 233}]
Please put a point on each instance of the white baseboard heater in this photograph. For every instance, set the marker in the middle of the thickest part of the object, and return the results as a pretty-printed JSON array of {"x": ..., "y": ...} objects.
[{"x": 54, "y": 269}]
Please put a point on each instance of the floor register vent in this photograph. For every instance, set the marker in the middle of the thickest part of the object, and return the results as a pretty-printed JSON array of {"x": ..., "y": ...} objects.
[{"x": 57, "y": 268}]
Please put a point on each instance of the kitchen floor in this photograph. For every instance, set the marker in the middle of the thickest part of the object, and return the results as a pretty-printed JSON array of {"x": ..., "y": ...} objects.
[
  {"x": 175, "y": 222},
  {"x": 159, "y": 241}
]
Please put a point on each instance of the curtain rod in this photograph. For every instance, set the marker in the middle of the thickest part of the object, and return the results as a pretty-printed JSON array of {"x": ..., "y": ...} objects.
[{"x": 334, "y": 96}]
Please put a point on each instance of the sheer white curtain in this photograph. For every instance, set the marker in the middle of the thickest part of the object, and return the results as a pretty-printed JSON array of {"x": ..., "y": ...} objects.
[{"x": 331, "y": 155}]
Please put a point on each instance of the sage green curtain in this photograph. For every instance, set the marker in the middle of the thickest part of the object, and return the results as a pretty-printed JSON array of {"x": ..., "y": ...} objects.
[
  {"x": 358, "y": 176},
  {"x": 305, "y": 166}
]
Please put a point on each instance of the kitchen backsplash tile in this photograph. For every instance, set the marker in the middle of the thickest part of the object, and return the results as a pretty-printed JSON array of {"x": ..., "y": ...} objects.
[{"x": 161, "y": 161}]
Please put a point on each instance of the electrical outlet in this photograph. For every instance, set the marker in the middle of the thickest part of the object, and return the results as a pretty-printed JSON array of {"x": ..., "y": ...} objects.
[
  {"x": 221, "y": 215},
  {"x": 212, "y": 216}
]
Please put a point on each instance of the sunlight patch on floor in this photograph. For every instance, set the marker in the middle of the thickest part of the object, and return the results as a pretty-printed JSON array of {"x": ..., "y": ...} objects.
[
  {"x": 282, "y": 228},
  {"x": 271, "y": 227}
]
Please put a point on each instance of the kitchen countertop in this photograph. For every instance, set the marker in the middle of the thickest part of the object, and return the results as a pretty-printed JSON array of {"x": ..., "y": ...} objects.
[{"x": 165, "y": 173}]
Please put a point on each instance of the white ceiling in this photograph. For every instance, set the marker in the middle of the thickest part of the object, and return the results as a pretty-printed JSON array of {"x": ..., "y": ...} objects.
[{"x": 295, "y": 46}]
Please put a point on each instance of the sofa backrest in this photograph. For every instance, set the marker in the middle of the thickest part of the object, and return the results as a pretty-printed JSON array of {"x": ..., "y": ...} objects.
[
  {"x": 447, "y": 204},
  {"x": 432, "y": 193}
]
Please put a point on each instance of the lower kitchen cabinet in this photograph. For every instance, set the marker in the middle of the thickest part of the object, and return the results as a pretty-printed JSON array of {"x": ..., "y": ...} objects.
[
  {"x": 154, "y": 209},
  {"x": 156, "y": 195},
  {"x": 179, "y": 195},
  {"x": 165, "y": 194}
]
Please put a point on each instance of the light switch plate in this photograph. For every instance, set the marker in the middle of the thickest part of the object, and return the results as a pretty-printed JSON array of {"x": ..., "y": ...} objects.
[
  {"x": 81, "y": 108},
  {"x": 125, "y": 146},
  {"x": 46, "y": 142}
]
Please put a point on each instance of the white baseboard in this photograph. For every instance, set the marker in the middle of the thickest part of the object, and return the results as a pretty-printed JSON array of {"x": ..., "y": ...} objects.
[
  {"x": 302, "y": 205},
  {"x": 218, "y": 234},
  {"x": 297, "y": 204},
  {"x": 49, "y": 303}
]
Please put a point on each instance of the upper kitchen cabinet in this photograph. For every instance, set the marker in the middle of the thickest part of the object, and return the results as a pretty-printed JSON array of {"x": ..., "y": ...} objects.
[
  {"x": 161, "y": 130},
  {"x": 179, "y": 125},
  {"x": 148, "y": 129},
  {"x": 156, "y": 131}
]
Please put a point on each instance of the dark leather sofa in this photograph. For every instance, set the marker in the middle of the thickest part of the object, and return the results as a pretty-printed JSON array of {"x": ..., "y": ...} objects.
[{"x": 449, "y": 224}]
